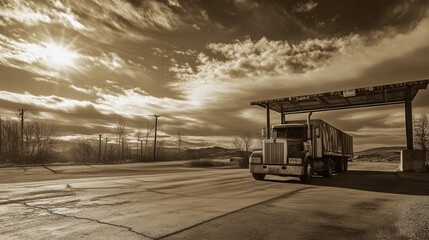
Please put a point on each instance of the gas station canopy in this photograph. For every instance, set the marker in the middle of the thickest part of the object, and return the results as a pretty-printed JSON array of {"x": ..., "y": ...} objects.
[
  {"x": 345, "y": 99},
  {"x": 351, "y": 98}
]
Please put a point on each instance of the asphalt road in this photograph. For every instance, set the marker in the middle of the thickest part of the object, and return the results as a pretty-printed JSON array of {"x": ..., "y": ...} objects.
[{"x": 166, "y": 201}]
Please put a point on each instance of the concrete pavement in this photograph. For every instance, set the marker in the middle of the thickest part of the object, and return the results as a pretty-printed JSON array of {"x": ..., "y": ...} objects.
[
  {"x": 171, "y": 202},
  {"x": 54, "y": 172},
  {"x": 422, "y": 177}
]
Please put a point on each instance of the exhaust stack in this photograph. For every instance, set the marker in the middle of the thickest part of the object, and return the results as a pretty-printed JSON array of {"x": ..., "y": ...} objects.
[{"x": 309, "y": 126}]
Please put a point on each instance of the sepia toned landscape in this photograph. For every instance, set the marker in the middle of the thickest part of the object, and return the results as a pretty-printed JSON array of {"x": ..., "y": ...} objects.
[{"x": 229, "y": 119}]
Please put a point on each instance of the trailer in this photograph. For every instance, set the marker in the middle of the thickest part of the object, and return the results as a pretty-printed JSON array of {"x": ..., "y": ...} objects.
[{"x": 302, "y": 148}]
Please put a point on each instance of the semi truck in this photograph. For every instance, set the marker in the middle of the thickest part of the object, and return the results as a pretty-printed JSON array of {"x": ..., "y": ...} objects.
[{"x": 302, "y": 148}]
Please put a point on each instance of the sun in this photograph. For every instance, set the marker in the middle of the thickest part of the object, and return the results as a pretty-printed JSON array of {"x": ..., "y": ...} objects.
[{"x": 57, "y": 56}]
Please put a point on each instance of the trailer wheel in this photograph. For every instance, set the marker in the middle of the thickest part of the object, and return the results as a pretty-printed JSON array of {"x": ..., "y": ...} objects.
[
  {"x": 308, "y": 174},
  {"x": 258, "y": 176},
  {"x": 328, "y": 173},
  {"x": 339, "y": 165},
  {"x": 346, "y": 164}
]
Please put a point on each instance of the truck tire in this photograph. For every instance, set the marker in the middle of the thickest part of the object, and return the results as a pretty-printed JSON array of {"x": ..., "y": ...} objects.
[
  {"x": 308, "y": 174},
  {"x": 258, "y": 176},
  {"x": 328, "y": 173},
  {"x": 346, "y": 164},
  {"x": 339, "y": 165}
]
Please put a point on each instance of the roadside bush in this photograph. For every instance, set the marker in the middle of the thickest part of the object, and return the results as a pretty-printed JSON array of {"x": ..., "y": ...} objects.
[
  {"x": 200, "y": 163},
  {"x": 244, "y": 163}
]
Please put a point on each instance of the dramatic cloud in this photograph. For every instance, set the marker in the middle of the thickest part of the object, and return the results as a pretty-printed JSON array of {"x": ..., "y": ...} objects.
[
  {"x": 245, "y": 5},
  {"x": 52, "y": 59},
  {"x": 174, "y": 3},
  {"x": 304, "y": 7},
  {"x": 257, "y": 62},
  {"x": 85, "y": 64},
  {"x": 264, "y": 57},
  {"x": 109, "y": 20},
  {"x": 32, "y": 13},
  {"x": 250, "y": 70},
  {"x": 42, "y": 57},
  {"x": 111, "y": 61}
]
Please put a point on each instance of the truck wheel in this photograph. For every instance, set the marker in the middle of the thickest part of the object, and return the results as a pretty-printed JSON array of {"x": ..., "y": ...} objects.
[
  {"x": 308, "y": 174},
  {"x": 339, "y": 165},
  {"x": 346, "y": 164},
  {"x": 328, "y": 173},
  {"x": 258, "y": 176}
]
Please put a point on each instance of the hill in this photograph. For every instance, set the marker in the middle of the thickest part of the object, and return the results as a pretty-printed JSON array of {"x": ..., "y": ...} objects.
[
  {"x": 382, "y": 154},
  {"x": 210, "y": 152}
]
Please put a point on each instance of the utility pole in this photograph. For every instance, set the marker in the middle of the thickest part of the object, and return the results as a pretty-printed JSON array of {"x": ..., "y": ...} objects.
[
  {"x": 1, "y": 138},
  {"x": 141, "y": 150},
  {"x": 128, "y": 151},
  {"x": 21, "y": 114},
  {"x": 154, "y": 142},
  {"x": 137, "y": 149},
  {"x": 123, "y": 144},
  {"x": 179, "y": 140},
  {"x": 105, "y": 150},
  {"x": 99, "y": 148}
]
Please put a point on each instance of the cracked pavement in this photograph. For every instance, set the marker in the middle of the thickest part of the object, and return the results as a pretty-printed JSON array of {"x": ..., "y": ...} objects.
[{"x": 167, "y": 201}]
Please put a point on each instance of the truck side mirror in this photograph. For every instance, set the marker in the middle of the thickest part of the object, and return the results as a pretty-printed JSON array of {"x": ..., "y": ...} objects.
[
  {"x": 273, "y": 133},
  {"x": 263, "y": 133}
]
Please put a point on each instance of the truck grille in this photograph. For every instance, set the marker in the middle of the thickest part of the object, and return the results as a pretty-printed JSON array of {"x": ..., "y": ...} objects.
[{"x": 274, "y": 153}]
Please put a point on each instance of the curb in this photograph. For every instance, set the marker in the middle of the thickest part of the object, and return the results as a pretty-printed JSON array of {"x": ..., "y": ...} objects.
[{"x": 403, "y": 175}]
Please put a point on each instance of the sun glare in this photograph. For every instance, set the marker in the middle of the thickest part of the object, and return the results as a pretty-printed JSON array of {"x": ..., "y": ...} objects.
[{"x": 58, "y": 56}]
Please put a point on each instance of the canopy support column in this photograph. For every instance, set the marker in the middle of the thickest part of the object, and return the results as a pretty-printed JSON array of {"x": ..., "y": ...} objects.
[
  {"x": 282, "y": 115},
  {"x": 268, "y": 120},
  {"x": 409, "y": 119}
]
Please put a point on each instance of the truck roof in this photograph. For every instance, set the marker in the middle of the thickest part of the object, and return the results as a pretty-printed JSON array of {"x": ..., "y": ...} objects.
[
  {"x": 286, "y": 125},
  {"x": 299, "y": 123}
]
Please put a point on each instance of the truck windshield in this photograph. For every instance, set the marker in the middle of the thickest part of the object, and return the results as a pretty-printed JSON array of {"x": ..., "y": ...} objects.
[{"x": 291, "y": 132}]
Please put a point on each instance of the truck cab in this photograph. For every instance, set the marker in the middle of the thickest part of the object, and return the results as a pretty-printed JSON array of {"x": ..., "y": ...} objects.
[
  {"x": 294, "y": 134},
  {"x": 284, "y": 154},
  {"x": 302, "y": 148}
]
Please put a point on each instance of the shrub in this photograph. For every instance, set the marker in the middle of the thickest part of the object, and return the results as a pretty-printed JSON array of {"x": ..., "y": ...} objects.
[{"x": 244, "y": 163}]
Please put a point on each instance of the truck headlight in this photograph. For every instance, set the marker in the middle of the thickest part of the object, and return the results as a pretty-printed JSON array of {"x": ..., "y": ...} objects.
[
  {"x": 255, "y": 160},
  {"x": 295, "y": 160}
]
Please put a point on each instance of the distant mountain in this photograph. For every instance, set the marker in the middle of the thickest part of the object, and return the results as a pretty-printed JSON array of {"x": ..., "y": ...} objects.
[
  {"x": 210, "y": 152},
  {"x": 381, "y": 154}
]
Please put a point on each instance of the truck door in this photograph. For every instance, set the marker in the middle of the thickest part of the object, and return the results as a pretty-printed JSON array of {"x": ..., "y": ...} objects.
[{"x": 318, "y": 143}]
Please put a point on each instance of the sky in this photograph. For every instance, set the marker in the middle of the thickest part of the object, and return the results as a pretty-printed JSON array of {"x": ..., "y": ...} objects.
[{"x": 84, "y": 65}]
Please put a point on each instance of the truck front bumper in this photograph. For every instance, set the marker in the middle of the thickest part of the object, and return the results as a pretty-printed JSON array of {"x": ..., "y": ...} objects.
[{"x": 286, "y": 170}]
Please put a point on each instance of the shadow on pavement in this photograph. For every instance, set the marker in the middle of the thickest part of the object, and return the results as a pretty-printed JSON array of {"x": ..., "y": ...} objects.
[{"x": 375, "y": 181}]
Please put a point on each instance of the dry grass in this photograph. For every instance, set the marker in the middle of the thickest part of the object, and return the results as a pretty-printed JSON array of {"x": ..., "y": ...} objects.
[{"x": 202, "y": 163}]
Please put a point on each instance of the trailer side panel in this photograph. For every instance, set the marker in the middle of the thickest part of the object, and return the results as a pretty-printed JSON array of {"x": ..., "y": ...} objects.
[{"x": 334, "y": 141}]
